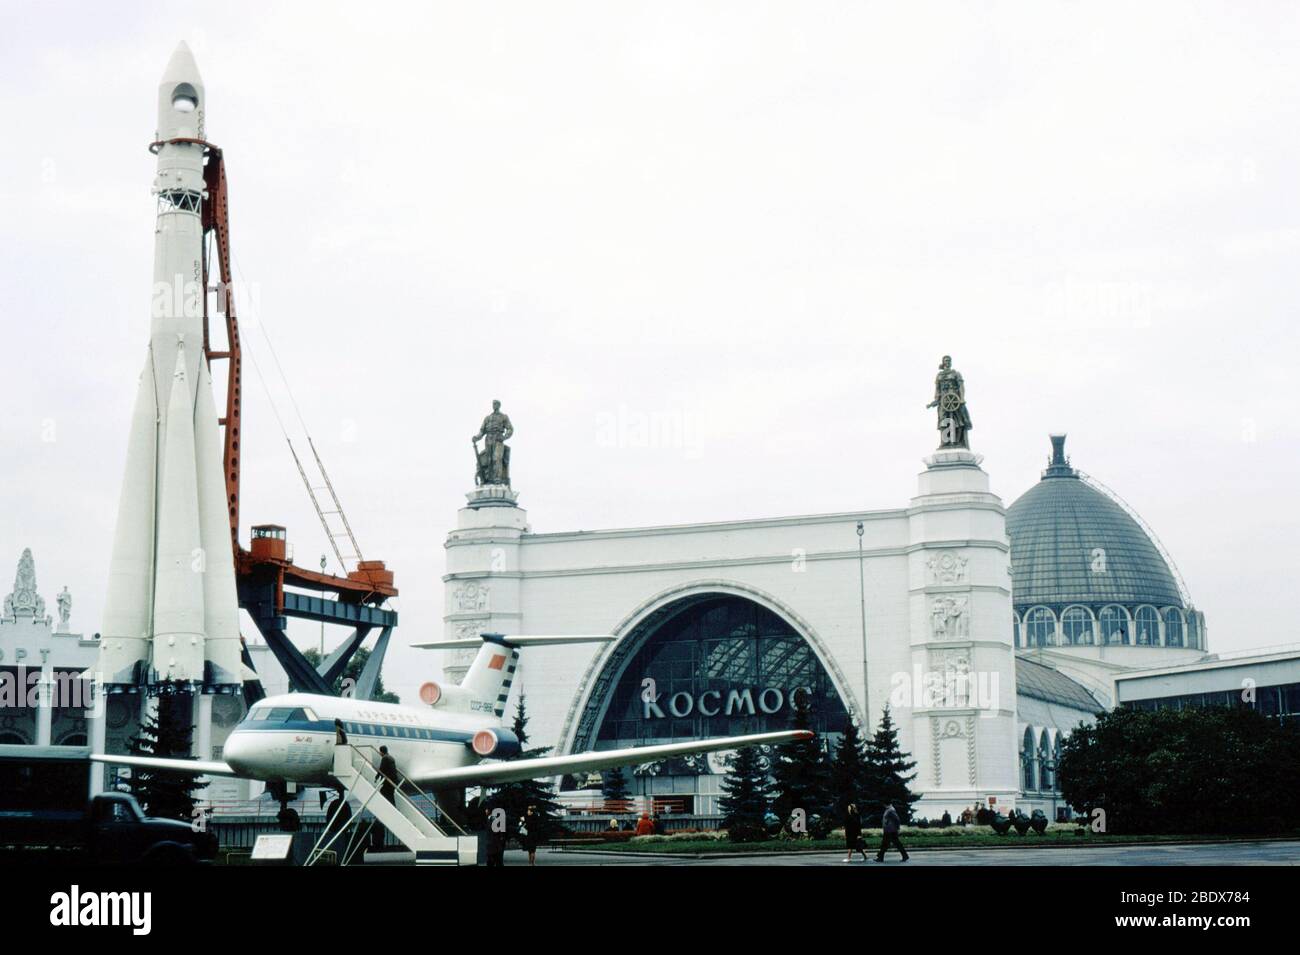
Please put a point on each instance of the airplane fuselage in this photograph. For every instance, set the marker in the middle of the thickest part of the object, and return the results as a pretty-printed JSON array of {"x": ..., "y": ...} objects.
[{"x": 291, "y": 737}]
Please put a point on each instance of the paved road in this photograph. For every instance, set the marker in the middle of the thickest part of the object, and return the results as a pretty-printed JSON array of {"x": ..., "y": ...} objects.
[{"x": 1240, "y": 853}]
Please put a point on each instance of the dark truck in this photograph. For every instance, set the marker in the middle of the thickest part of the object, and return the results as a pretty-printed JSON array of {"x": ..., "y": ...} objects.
[{"x": 45, "y": 810}]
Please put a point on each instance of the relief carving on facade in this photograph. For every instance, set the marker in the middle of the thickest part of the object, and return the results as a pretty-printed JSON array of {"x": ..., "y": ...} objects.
[
  {"x": 470, "y": 597},
  {"x": 949, "y": 616},
  {"x": 953, "y": 666},
  {"x": 946, "y": 568},
  {"x": 942, "y": 729}
]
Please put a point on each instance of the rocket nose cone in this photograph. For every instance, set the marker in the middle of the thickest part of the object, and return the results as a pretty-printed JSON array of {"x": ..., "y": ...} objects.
[
  {"x": 181, "y": 68},
  {"x": 180, "y": 97}
]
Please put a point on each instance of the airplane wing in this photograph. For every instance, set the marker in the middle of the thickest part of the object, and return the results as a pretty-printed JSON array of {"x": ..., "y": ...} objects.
[
  {"x": 196, "y": 767},
  {"x": 496, "y": 773}
]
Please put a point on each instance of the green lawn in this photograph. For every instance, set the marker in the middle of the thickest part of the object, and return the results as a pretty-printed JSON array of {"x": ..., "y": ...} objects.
[{"x": 952, "y": 838}]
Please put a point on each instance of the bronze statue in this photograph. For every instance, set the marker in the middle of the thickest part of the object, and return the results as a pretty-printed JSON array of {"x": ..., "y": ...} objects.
[
  {"x": 950, "y": 399},
  {"x": 494, "y": 459}
]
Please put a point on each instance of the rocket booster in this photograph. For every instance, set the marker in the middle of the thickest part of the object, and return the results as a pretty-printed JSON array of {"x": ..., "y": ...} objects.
[{"x": 171, "y": 610}]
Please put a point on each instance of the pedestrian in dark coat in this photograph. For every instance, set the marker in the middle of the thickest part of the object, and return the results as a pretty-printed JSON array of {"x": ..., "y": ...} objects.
[
  {"x": 530, "y": 833},
  {"x": 891, "y": 824},
  {"x": 853, "y": 833},
  {"x": 387, "y": 770}
]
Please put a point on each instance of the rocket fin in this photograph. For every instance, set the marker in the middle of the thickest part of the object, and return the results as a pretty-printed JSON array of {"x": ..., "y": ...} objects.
[
  {"x": 178, "y": 594},
  {"x": 220, "y": 599},
  {"x": 125, "y": 629}
]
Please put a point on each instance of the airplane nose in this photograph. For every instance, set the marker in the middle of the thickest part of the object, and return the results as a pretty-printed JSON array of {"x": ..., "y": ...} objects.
[{"x": 238, "y": 752}]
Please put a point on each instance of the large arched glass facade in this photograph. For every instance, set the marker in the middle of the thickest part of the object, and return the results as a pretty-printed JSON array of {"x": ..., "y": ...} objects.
[{"x": 719, "y": 666}]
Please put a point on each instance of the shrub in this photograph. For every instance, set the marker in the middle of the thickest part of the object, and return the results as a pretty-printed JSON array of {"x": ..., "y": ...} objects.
[{"x": 746, "y": 832}]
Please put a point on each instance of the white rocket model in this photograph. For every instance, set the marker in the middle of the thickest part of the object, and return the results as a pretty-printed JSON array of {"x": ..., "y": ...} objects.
[{"x": 171, "y": 611}]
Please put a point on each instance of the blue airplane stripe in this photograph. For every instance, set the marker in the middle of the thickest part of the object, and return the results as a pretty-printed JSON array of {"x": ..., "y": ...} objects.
[{"x": 358, "y": 728}]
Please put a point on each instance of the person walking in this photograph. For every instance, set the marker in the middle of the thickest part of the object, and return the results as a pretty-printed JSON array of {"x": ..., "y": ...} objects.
[
  {"x": 853, "y": 833},
  {"x": 530, "y": 833},
  {"x": 890, "y": 825},
  {"x": 388, "y": 774}
]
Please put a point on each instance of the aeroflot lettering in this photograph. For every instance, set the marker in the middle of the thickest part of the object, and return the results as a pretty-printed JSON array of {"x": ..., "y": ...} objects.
[{"x": 748, "y": 702}]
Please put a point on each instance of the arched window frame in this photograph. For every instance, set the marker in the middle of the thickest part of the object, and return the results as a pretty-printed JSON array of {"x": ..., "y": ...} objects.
[
  {"x": 1174, "y": 626},
  {"x": 1108, "y": 631},
  {"x": 1085, "y": 638},
  {"x": 1034, "y": 626},
  {"x": 1046, "y": 763},
  {"x": 1143, "y": 619},
  {"x": 1028, "y": 760}
]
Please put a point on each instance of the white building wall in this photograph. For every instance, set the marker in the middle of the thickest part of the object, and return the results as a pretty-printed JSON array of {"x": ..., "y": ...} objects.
[{"x": 502, "y": 577}]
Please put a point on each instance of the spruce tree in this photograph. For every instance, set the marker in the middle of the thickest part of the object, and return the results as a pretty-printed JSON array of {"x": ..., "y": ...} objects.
[
  {"x": 849, "y": 770},
  {"x": 516, "y": 797},
  {"x": 800, "y": 772},
  {"x": 746, "y": 795},
  {"x": 613, "y": 786},
  {"x": 889, "y": 770},
  {"x": 169, "y": 734}
]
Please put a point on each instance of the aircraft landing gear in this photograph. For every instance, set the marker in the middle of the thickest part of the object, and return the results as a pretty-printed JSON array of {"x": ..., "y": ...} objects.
[{"x": 288, "y": 818}]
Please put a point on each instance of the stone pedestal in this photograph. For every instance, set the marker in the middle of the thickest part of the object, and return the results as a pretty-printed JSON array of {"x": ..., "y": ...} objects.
[
  {"x": 492, "y": 495},
  {"x": 963, "y": 717},
  {"x": 483, "y": 572}
]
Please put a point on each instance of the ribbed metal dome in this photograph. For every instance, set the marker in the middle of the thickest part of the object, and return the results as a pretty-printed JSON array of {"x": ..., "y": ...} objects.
[{"x": 1057, "y": 529}]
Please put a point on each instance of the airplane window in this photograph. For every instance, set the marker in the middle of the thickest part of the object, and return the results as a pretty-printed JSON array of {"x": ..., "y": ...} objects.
[
  {"x": 279, "y": 714},
  {"x": 297, "y": 715},
  {"x": 310, "y": 714},
  {"x": 258, "y": 713}
]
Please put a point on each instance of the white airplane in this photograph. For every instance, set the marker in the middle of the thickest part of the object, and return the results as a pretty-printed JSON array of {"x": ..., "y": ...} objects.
[{"x": 456, "y": 741}]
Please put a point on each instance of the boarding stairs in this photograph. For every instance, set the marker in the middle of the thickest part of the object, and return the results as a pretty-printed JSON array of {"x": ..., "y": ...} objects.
[{"x": 429, "y": 842}]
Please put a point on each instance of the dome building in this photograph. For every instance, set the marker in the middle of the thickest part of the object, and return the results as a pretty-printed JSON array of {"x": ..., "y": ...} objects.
[
  {"x": 1094, "y": 597},
  {"x": 1089, "y": 579}
]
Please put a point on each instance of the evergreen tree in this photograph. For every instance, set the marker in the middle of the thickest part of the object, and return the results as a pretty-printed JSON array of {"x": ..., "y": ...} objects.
[
  {"x": 169, "y": 734},
  {"x": 613, "y": 786},
  {"x": 800, "y": 772},
  {"x": 889, "y": 770},
  {"x": 849, "y": 776},
  {"x": 746, "y": 794},
  {"x": 352, "y": 673},
  {"x": 516, "y": 797}
]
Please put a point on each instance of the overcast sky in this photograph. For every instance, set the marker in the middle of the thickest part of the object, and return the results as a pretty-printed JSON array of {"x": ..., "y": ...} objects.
[{"x": 762, "y": 224}]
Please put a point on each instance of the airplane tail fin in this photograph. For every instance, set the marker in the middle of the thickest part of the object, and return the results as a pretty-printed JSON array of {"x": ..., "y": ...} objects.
[{"x": 493, "y": 670}]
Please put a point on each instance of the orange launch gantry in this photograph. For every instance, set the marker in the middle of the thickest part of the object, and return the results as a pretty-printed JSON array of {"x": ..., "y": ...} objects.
[{"x": 264, "y": 571}]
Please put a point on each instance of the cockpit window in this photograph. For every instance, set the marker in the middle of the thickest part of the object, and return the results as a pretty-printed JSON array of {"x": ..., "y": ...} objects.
[
  {"x": 279, "y": 714},
  {"x": 258, "y": 713}
]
